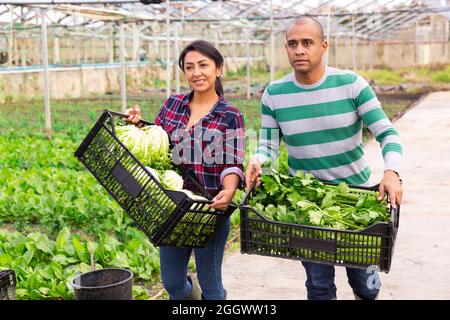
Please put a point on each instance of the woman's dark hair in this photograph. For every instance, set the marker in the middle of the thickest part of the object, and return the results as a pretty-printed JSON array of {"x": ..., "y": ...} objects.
[{"x": 208, "y": 49}]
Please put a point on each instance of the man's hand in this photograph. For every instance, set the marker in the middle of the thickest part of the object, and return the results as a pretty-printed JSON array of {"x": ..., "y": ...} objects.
[
  {"x": 222, "y": 200},
  {"x": 390, "y": 184},
  {"x": 133, "y": 115},
  {"x": 253, "y": 172}
]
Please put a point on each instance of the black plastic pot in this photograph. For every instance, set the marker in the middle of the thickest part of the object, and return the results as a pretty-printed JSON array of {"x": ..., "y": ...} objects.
[{"x": 104, "y": 284}]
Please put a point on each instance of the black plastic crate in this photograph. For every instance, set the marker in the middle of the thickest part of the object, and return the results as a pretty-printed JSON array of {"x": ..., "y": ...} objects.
[
  {"x": 373, "y": 246},
  {"x": 7, "y": 285},
  {"x": 167, "y": 217}
]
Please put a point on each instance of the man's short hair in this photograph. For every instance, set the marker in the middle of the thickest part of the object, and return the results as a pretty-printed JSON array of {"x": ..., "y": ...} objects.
[{"x": 307, "y": 19}]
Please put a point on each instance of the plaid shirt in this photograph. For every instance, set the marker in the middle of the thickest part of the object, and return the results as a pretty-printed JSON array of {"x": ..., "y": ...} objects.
[{"x": 219, "y": 136}]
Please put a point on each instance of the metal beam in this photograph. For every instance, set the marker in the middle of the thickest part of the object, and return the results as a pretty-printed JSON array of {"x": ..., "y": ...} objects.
[
  {"x": 392, "y": 22},
  {"x": 123, "y": 84},
  {"x": 48, "y": 2},
  {"x": 168, "y": 59},
  {"x": 403, "y": 23},
  {"x": 363, "y": 27},
  {"x": 48, "y": 119}
]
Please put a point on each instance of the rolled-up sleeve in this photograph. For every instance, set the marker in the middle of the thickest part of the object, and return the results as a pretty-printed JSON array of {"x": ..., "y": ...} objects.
[{"x": 234, "y": 149}]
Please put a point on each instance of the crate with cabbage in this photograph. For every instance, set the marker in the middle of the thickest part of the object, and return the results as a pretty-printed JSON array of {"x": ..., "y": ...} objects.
[{"x": 150, "y": 144}]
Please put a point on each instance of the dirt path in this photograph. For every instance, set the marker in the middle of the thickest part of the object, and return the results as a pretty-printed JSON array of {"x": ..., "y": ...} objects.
[{"x": 421, "y": 264}]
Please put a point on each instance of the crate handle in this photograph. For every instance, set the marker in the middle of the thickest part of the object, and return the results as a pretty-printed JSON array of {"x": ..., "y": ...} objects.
[
  {"x": 112, "y": 114},
  {"x": 247, "y": 194},
  {"x": 194, "y": 181}
]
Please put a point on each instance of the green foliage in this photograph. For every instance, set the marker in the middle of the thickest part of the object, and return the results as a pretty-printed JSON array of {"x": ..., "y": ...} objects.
[
  {"x": 442, "y": 76},
  {"x": 305, "y": 200},
  {"x": 382, "y": 76},
  {"x": 44, "y": 188},
  {"x": 45, "y": 268}
]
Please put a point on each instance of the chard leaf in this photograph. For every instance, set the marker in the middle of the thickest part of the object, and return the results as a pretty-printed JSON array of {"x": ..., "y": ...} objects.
[
  {"x": 305, "y": 205},
  {"x": 315, "y": 217}
]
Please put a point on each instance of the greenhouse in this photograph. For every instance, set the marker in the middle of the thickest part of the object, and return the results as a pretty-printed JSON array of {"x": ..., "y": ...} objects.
[{"x": 63, "y": 63}]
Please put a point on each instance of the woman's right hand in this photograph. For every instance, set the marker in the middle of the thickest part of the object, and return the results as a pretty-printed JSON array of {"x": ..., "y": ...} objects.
[{"x": 133, "y": 115}]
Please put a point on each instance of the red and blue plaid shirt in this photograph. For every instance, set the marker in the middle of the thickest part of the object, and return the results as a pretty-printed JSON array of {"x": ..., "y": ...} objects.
[{"x": 212, "y": 148}]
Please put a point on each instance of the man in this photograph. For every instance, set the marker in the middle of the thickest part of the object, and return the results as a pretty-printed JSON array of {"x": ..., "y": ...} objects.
[{"x": 319, "y": 112}]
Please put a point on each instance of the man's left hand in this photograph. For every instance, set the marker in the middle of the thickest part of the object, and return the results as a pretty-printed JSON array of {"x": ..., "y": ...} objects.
[{"x": 391, "y": 185}]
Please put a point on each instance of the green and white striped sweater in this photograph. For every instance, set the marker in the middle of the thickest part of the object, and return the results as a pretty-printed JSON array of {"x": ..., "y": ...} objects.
[{"x": 321, "y": 125}]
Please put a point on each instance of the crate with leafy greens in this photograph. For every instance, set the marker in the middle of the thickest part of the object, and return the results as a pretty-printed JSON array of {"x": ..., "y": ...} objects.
[{"x": 301, "y": 217}]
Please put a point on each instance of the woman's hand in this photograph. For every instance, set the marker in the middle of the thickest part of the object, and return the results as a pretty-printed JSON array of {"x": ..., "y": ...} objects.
[
  {"x": 222, "y": 200},
  {"x": 133, "y": 115}
]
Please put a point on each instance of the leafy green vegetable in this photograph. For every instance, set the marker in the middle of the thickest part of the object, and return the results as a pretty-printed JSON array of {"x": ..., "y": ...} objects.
[
  {"x": 149, "y": 144},
  {"x": 303, "y": 199}
]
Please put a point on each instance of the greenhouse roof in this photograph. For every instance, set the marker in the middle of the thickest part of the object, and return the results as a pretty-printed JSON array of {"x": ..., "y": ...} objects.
[{"x": 371, "y": 19}]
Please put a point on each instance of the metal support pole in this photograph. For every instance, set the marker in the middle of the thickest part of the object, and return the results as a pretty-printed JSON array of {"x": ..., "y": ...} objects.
[
  {"x": 77, "y": 40},
  {"x": 168, "y": 64},
  {"x": 272, "y": 45},
  {"x": 354, "y": 65},
  {"x": 155, "y": 47},
  {"x": 56, "y": 50},
  {"x": 23, "y": 56},
  {"x": 416, "y": 48},
  {"x": 48, "y": 119},
  {"x": 336, "y": 51},
  {"x": 85, "y": 51},
  {"x": 328, "y": 31},
  {"x": 123, "y": 84},
  {"x": 11, "y": 38},
  {"x": 93, "y": 47},
  {"x": 177, "y": 53},
  {"x": 110, "y": 44},
  {"x": 446, "y": 57},
  {"x": 371, "y": 54},
  {"x": 136, "y": 44},
  {"x": 247, "y": 53},
  {"x": 363, "y": 56},
  {"x": 216, "y": 38}
]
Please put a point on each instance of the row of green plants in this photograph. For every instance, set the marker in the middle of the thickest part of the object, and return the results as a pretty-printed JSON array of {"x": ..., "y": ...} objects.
[
  {"x": 55, "y": 219},
  {"x": 45, "y": 268}
]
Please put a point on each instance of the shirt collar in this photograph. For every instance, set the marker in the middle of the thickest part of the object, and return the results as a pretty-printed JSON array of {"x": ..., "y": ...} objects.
[{"x": 220, "y": 108}]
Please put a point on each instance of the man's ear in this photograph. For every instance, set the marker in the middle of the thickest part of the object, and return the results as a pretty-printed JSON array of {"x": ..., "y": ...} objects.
[{"x": 324, "y": 46}]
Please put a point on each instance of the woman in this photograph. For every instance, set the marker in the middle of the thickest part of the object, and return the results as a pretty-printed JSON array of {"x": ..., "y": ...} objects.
[{"x": 202, "y": 119}]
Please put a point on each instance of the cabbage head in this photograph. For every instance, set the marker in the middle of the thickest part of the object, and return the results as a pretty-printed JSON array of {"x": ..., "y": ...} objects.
[
  {"x": 149, "y": 144},
  {"x": 172, "y": 180}
]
